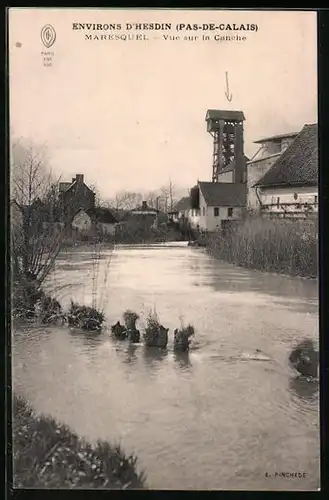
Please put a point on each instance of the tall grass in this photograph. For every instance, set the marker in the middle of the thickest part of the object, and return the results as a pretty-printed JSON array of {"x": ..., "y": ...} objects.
[
  {"x": 275, "y": 245},
  {"x": 47, "y": 454}
]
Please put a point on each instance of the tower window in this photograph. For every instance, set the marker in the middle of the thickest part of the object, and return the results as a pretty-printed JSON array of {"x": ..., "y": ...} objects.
[
  {"x": 216, "y": 211},
  {"x": 203, "y": 211},
  {"x": 278, "y": 202},
  {"x": 229, "y": 212}
]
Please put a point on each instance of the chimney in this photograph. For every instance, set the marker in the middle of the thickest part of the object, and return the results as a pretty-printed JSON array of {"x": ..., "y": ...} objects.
[
  {"x": 144, "y": 204},
  {"x": 79, "y": 178},
  {"x": 239, "y": 161},
  {"x": 73, "y": 179}
]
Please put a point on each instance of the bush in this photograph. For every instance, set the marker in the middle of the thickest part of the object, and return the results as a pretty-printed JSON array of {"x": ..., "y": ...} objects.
[
  {"x": 182, "y": 338},
  {"x": 119, "y": 331},
  {"x": 47, "y": 454},
  {"x": 155, "y": 334},
  {"x": 48, "y": 309},
  {"x": 130, "y": 318},
  {"x": 275, "y": 245},
  {"x": 85, "y": 317},
  {"x": 305, "y": 358}
]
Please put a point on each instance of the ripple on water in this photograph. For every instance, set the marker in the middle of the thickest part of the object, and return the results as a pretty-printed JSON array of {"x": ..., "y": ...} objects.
[{"x": 194, "y": 420}]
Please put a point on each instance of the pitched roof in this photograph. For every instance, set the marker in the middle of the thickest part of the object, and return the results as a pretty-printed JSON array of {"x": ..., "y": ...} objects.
[
  {"x": 217, "y": 114},
  {"x": 277, "y": 137},
  {"x": 144, "y": 208},
  {"x": 183, "y": 204},
  {"x": 298, "y": 164},
  {"x": 102, "y": 215},
  {"x": 224, "y": 194}
]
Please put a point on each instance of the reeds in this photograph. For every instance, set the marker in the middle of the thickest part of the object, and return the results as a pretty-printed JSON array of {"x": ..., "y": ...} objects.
[
  {"x": 182, "y": 337},
  {"x": 275, "y": 245}
]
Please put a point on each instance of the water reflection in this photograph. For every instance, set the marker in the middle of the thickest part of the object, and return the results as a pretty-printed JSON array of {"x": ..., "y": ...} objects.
[
  {"x": 182, "y": 360},
  {"x": 130, "y": 353},
  {"x": 154, "y": 355},
  {"x": 90, "y": 339}
]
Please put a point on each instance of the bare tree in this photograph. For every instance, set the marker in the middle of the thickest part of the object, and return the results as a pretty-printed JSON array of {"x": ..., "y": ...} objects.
[
  {"x": 34, "y": 191},
  {"x": 126, "y": 200}
]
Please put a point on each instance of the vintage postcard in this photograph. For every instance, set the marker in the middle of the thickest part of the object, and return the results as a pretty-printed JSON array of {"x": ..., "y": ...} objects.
[{"x": 164, "y": 249}]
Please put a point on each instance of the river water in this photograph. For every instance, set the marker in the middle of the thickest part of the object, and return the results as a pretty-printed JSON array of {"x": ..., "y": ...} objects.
[{"x": 223, "y": 417}]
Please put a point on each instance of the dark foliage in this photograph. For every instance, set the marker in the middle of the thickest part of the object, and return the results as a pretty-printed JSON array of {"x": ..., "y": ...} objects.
[
  {"x": 85, "y": 317},
  {"x": 47, "y": 454},
  {"x": 305, "y": 358}
]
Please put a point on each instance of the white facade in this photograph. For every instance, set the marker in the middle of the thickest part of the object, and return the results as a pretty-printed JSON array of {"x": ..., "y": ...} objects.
[
  {"x": 256, "y": 169},
  {"x": 293, "y": 201},
  {"x": 82, "y": 221},
  {"x": 211, "y": 217}
]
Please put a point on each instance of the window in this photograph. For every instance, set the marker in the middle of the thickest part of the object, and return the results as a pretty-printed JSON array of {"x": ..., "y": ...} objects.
[
  {"x": 229, "y": 212},
  {"x": 295, "y": 196},
  {"x": 278, "y": 202},
  {"x": 203, "y": 211},
  {"x": 216, "y": 211},
  {"x": 315, "y": 200}
]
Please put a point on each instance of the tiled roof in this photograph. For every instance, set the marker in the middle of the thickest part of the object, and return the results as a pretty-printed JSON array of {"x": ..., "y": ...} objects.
[
  {"x": 217, "y": 114},
  {"x": 298, "y": 164},
  {"x": 183, "y": 204},
  {"x": 224, "y": 194}
]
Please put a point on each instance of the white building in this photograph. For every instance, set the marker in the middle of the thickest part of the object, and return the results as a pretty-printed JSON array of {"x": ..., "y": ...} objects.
[
  {"x": 218, "y": 203},
  {"x": 289, "y": 187},
  {"x": 271, "y": 148}
]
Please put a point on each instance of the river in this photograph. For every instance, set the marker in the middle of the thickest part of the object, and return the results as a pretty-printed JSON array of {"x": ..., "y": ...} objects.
[{"x": 224, "y": 417}]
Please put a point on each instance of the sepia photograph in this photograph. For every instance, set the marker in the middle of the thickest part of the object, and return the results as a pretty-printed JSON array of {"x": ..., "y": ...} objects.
[{"x": 164, "y": 249}]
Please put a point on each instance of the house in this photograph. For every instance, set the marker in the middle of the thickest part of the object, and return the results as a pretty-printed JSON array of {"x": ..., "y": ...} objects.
[
  {"x": 145, "y": 214},
  {"x": 289, "y": 188},
  {"x": 180, "y": 210},
  {"x": 217, "y": 203},
  {"x": 74, "y": 196},
  {"x": 94, "y": 220},
  {"x": 270, "y": 149}
]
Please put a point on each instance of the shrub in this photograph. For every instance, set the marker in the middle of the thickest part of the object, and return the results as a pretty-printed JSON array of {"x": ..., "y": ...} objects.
[
  {"x": 119, "y": 331},
  {"x": 305, "y": 358},
  {"x": 182, "y": 338},
  {"x": 85, "y": 317},
  {"x": 155, "y": 334},
  {"x": 47, "y": 454},
  {"x": 130, "y": 318},
  {"x": 49, "y": 309}
]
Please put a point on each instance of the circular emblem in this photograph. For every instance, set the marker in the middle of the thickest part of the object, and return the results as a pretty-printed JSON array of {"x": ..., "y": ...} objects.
[{"x": 48, "y": 36}]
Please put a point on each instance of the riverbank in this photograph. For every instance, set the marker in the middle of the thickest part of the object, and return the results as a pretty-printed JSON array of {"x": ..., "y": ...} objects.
[
  {"x": 47, "y": 454},
  {"x": 269, "y": 245}
]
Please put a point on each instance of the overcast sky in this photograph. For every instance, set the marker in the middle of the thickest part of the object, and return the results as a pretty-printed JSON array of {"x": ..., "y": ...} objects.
[{"x": 130, "y": 115}]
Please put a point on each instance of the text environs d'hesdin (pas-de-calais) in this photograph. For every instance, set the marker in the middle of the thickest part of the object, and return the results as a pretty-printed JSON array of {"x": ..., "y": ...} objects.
[{"x": 126, "y": 31}]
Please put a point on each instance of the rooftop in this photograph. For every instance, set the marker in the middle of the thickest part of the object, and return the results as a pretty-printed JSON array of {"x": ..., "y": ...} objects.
[
  {"x": 217, "y": 114},
  {"x": 278, "y": 137},
  {"x": 224, "y": 194},
  {"x": 298, "y": 164},
  {"x": 183, "y": 204}
]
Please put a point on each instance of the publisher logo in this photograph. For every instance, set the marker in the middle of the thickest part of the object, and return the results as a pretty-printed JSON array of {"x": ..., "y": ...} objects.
[{"x": 48, "y": 36}]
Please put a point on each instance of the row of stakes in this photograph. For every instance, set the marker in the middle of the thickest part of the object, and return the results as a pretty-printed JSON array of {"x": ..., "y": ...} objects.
[{"x": 155, "y": 334}]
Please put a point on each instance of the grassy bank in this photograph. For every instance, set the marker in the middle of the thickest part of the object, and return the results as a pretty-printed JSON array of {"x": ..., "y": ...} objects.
[
  {"x": 273, "y": 245},
  {"x": 47, "y": 454}
]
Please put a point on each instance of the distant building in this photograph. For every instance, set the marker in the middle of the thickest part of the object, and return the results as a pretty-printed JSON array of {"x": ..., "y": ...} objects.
[
  {"x": 271, "y": 148},
  {"x": 289, "y": 188},
  {"x": 217, "y": 203},
  {"x": 94, "y": 221},
  {"x": 145, "y": 214},
  {"x": 74, "y": 196}
]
